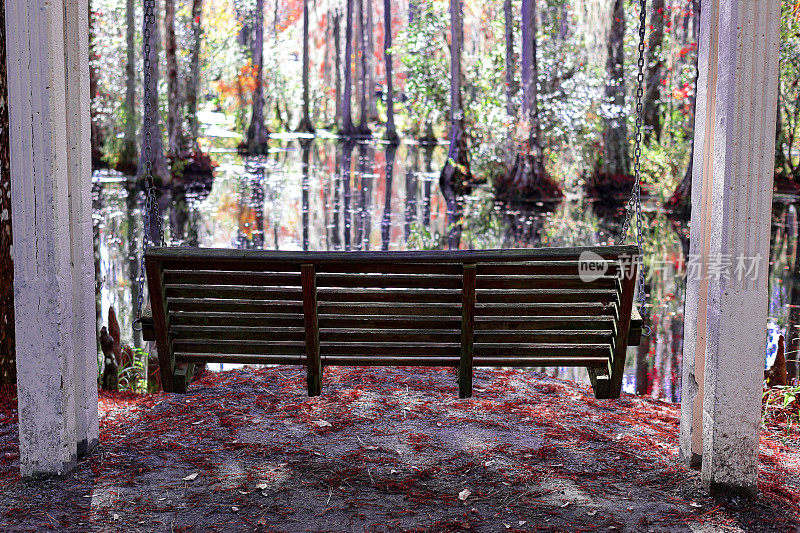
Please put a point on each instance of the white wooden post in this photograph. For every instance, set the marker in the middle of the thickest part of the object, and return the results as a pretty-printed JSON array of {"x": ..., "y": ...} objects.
[
  {"x": 51, "y": 210},
  {"x": 79, "y": 160},
  {"x": 726, "y": 304}
]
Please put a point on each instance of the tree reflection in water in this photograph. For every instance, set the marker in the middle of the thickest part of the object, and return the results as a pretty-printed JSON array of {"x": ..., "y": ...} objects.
[{"x": 312, "y": 195}]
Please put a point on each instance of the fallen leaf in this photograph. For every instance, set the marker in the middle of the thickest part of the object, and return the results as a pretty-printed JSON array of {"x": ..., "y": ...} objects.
[
  {"x": 322, "y": 423},
  {"x": 565, "y": 504},
  {"x": 191, "y": 477},
  {"x": 464, "y": 494}
]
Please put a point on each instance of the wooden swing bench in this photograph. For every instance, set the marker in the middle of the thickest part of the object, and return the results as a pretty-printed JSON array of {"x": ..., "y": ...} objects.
[{"x": 494, "y": 308}]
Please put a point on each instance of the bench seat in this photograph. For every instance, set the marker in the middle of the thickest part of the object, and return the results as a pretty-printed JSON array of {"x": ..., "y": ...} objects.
[{"x": 489, "y": 308}]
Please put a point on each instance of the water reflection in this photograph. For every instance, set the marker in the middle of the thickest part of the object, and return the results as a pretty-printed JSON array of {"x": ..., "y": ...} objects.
[{"x": 325, "y": 195}]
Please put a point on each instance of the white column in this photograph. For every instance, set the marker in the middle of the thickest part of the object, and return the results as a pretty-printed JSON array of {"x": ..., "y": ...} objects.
[
  {"x": 50, "y": 213},
  {"x": 725, "y": 331},
  {"x": 79, "y": 160}
]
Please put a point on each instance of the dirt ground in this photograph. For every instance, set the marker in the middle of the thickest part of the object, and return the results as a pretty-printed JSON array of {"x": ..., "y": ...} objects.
[{"x": 388, "y": 450}]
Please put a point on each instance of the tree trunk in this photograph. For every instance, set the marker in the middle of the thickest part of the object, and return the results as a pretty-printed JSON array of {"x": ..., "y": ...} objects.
[
  {"x": 529, "y": 167},
  {"x": 616, "y": 160},
  {"x": 527, "y": 178},
  {"x": 782, "y": 167},
  {"x": 174, "y": 104},
  {"x": 337, "y": 65},
  {"x": 347, "y": 157},
  {"x": 366, "y": 160},
  {"x": 372, "y": 104},
  {"x": 793, "y": 328},
  {"x": 127, "y": 160},
  {"x": 412, "y": 166},
  {"x": 655, "y": 73},
  {"x": 336, "y": 225},
  {"x": 193, "y": 84},
  {"x": 152, "y": 150},
  {"x": 643, "y": 367},
  {"x": 305, "y": 121},
  {"x": 257, "y": 132},
  {"x": 427, "y": 186},
  {"x": 95, "y": 134},
  {"x": 8, "y": 374},
  {"x": 347, "y": 97},
  {"x": 455, "y": 175},
  {"x": 363, "y": 118},
  {"x": 511, "y": 86},
  {"x": 386, "y": 221},
  {"x": 391, "y": 130},
  {"x": 305, "y": 147},
  {"x": 132, "y": 264}
]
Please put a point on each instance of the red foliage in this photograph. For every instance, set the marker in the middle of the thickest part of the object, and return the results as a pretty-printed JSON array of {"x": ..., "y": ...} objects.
[{"x": 516, "y": 444}]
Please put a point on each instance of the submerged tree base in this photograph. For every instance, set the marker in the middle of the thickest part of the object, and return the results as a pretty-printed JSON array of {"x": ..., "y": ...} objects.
[
  {"x": 254, "y": 148},
  {"x": 199, "y": 167},
  {"x": 355, "y": 133},
  {"x": 527, "y": 181},
  {"x": 305, "y": 126},
  {"x": 784, "y": 184},
  {"x": 126, "y": 165},
  {"x": 610, "y": 186}
]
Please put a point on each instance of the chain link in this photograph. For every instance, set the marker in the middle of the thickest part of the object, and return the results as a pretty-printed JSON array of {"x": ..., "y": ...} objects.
[
  {"x": 150, "y": 211},
  {"x": 634, "y": 203}
]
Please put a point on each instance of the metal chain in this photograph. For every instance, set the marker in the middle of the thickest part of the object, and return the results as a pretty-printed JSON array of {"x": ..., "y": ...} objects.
[
  {"x": 634, "y": 203},
  {"x": 150, "y": 211}
]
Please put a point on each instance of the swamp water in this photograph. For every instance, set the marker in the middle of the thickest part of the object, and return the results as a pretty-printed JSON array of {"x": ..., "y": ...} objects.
[{"x": 302, "y": 197}]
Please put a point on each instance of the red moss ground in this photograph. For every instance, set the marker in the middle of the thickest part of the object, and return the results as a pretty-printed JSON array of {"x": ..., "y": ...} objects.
[{"x": 389, "y": 450}]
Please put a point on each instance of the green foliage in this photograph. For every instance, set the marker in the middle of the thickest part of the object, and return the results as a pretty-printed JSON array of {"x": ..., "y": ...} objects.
[
  {"x": 423, "y": 51},
  {"x": 134, "y": 377},
  {"x": 662, "y": 166},
  {"x": 487, "y": 122},
  {"x": 789, "y": 93},
  {"x": 422, "y": 238},
  {"x": 780, "y": 405},
  {"x": 483, "y": 228},
  {"x": 571, "y": 91}
]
